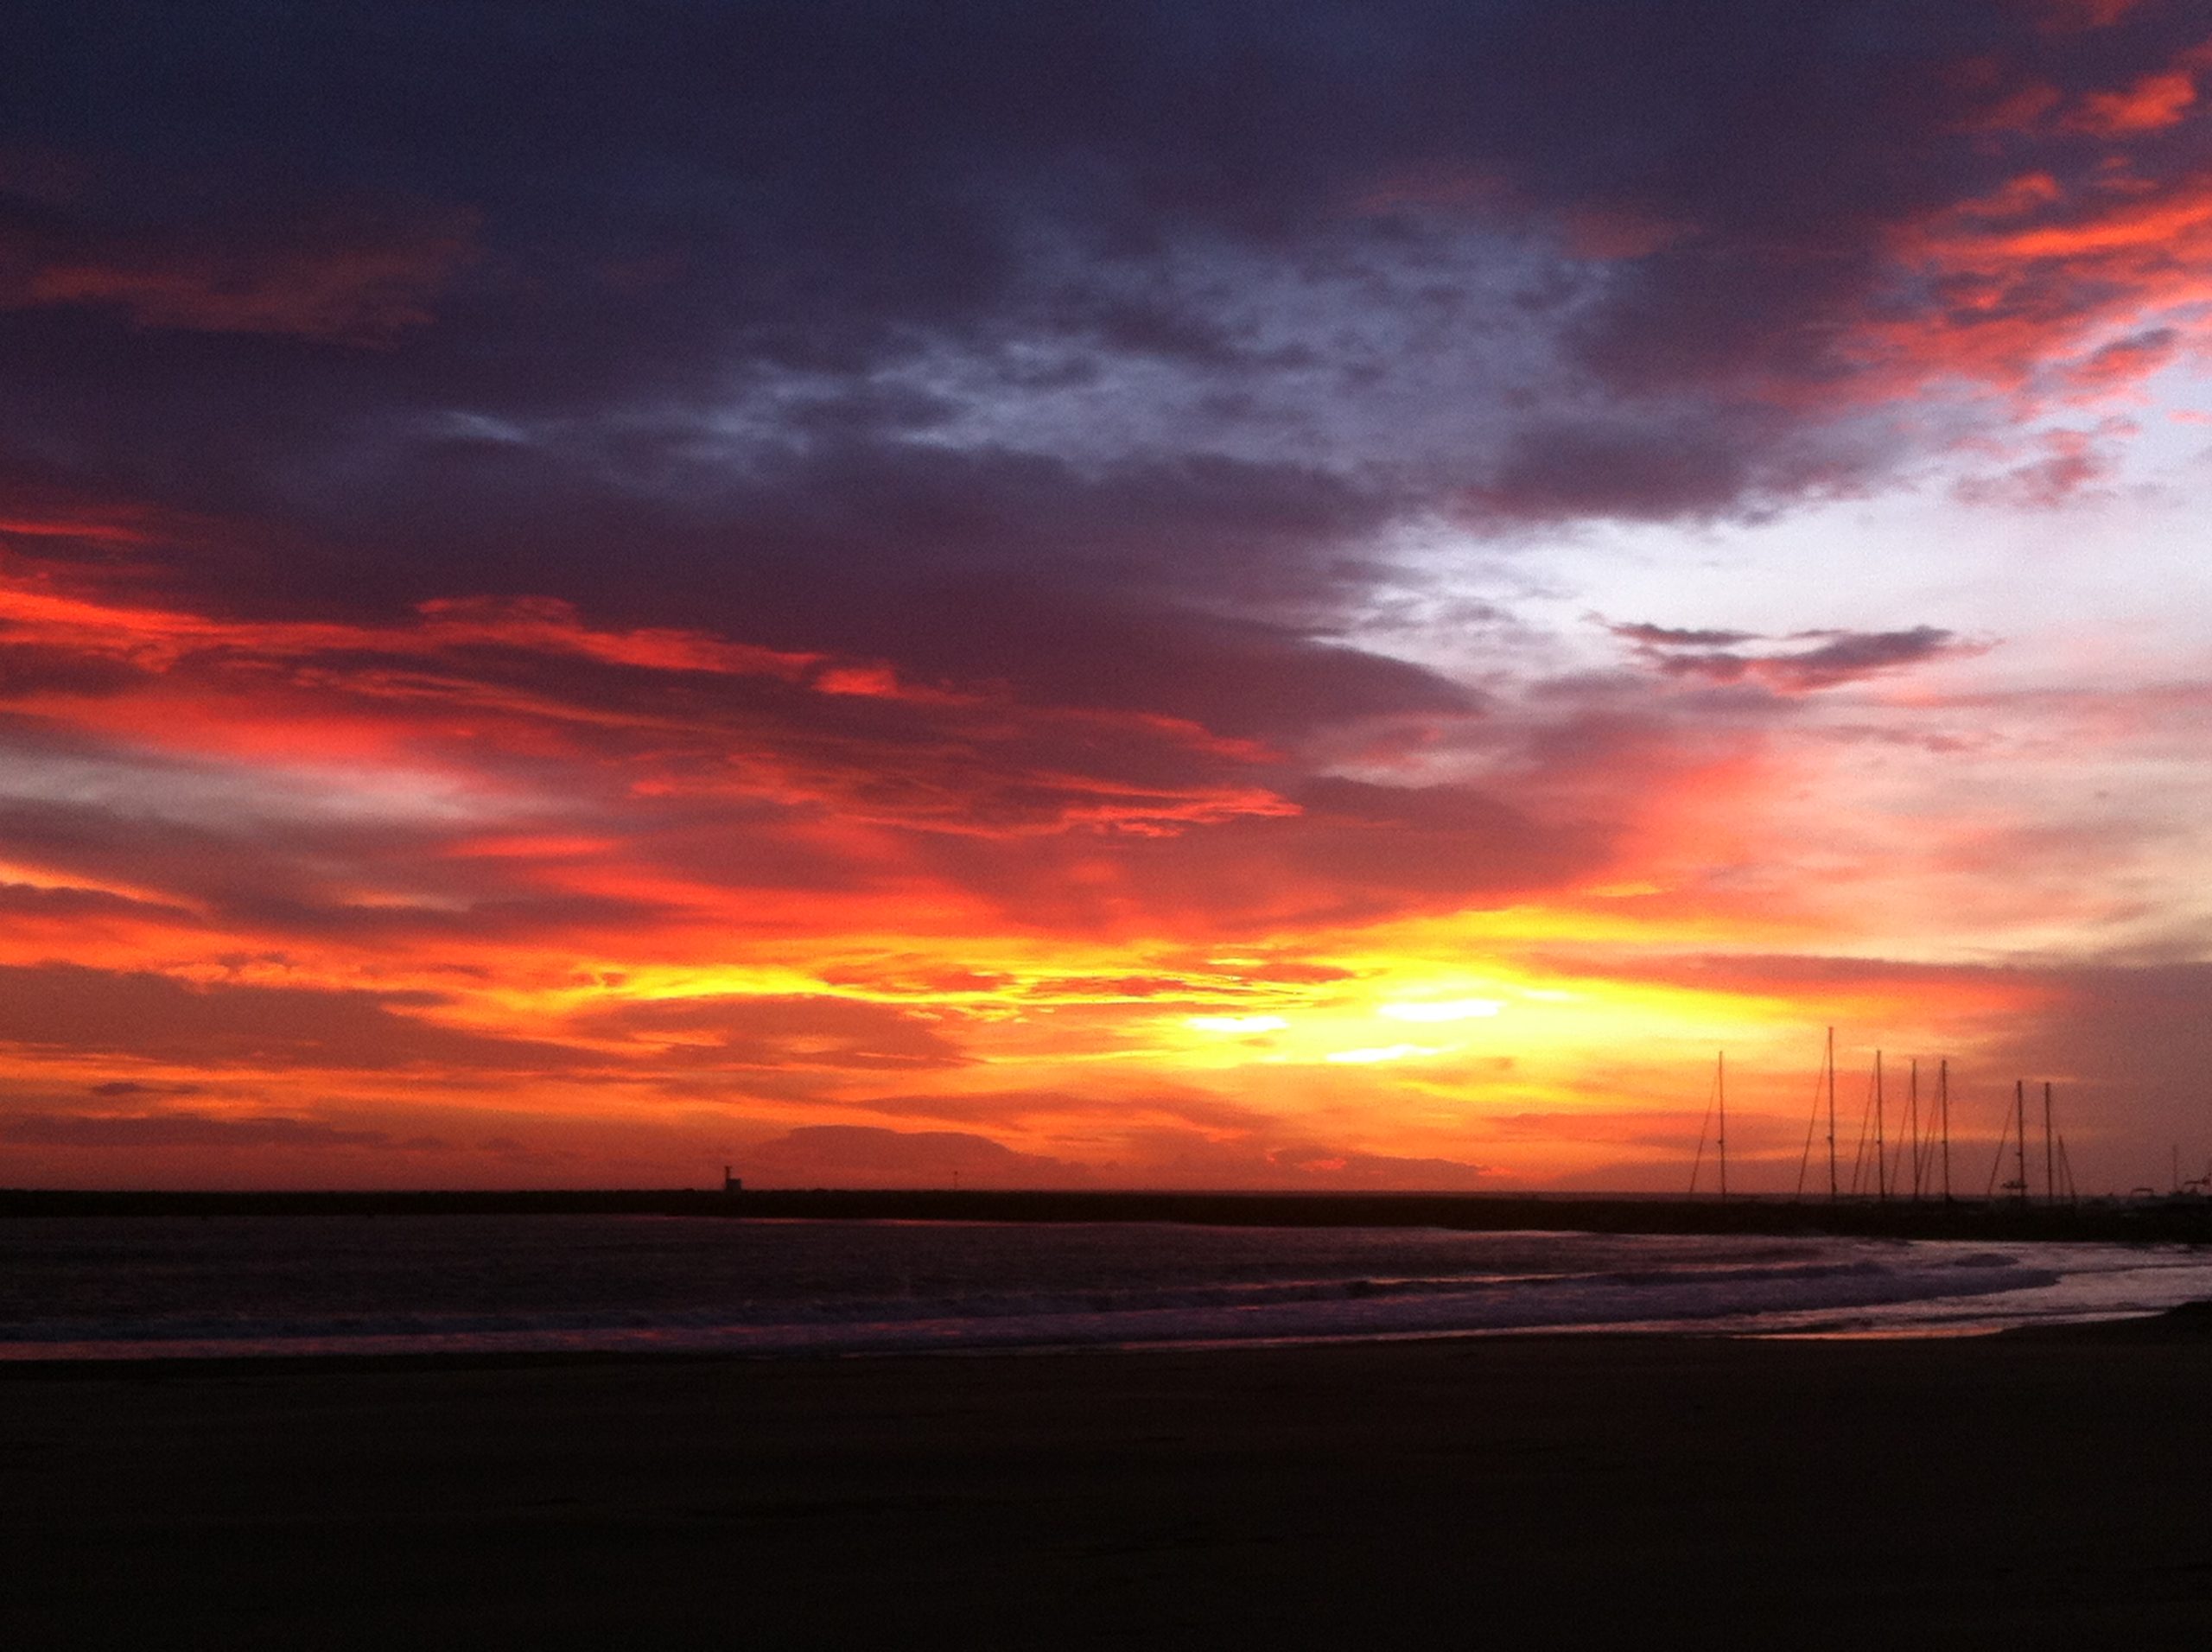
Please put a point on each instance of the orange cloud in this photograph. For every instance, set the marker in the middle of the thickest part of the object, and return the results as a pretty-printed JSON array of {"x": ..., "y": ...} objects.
[{"x": 368, "y": 896}]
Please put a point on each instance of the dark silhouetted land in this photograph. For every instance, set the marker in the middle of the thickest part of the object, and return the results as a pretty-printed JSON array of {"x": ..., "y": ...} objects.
[{"x": 2039, "y": 1489}]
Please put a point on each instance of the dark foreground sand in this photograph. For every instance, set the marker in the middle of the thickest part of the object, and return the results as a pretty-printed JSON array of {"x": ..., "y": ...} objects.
[{"x": 2017, "y": 1491}]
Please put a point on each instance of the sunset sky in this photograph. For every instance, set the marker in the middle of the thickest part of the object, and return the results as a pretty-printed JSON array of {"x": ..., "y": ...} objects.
[{"x": 1208, "y": 594}]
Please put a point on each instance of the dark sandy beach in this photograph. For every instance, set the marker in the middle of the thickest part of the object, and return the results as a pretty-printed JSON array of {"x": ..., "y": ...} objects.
[{"x": 2025, "y": 1490}]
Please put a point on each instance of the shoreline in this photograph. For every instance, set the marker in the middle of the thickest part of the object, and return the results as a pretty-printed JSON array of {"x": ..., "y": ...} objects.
[{"x": 2188, "y": 1323}]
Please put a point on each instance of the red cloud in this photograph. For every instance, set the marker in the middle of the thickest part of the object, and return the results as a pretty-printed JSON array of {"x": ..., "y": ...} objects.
[
  {"x": 2071, "y": 461},
  {"x": 2155, "y": 101},
  {"x": 355, "y": 275},
  {"x": 2096, "y": 250},
  {"x": 2123, "y": 362},
  {"x": 2069, "y": 15}
]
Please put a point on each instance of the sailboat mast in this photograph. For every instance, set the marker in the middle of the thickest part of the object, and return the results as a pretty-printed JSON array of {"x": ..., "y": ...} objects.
[
  {"x": 1881, "y": 1152},
  {"x": 2020, "y": 1136},
  {"x": 2049, "y": 1163},
  {"x": 1944, "y": 1104},
  {"x": 1831, "y": 1184},
  {"x": 1912, "y": 1124},
  {"x": 1720, "y": 1099}
]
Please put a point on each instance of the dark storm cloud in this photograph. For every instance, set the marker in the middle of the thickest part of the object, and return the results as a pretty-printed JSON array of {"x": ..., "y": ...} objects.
[{"x": 779, "y": 312}]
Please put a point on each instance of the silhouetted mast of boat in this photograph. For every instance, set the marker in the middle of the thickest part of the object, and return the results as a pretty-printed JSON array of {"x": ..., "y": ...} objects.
[
  {"x": 2050, "y": 1158},
  {"x": 1832, "y": 1184},
  {"x": 1881, "y": 1151},
  {"x": 1716, "y": 1102},
  {"x": 2014, "y": 1134},
  {"x": 1943, "y": 1106},
  {"x": 1912, "y": 1125},
  {"x": 1866, "y": 1154},
  {"x": 1720, "y": 1101},
  {"x": 1930, "y": 1136},
  {"x": 1824, "y": 1082}
]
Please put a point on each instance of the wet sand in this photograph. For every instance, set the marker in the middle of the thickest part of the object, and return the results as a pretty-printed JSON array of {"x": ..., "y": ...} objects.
[{"x": 2022, "y": 1491}]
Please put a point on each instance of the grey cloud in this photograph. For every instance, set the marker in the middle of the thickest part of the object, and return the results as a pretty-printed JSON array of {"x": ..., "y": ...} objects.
[
  {"x": 711, "y": 270},
  {"x": 1841, "y": 658},
  {"x": 1671, "y": 637}
]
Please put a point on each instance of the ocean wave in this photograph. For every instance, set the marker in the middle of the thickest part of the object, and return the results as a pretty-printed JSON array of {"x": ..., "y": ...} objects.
[{"x": 1330, "y": 1309}]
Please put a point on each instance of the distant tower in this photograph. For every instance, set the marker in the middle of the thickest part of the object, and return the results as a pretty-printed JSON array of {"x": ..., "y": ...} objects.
[{"x": 732, "y": 1183}]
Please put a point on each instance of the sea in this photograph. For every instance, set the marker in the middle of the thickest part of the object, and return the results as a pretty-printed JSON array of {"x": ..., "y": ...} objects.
[{"x": 137, "y": 1287}]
